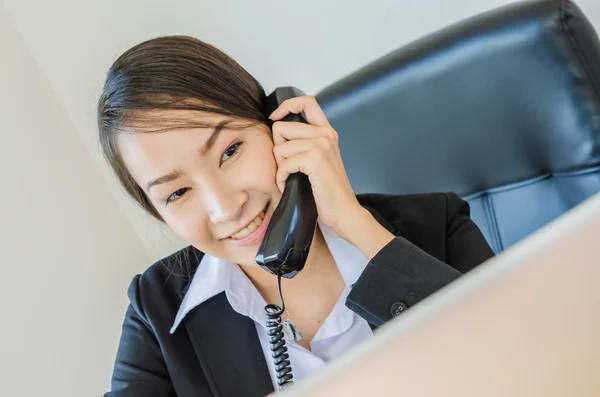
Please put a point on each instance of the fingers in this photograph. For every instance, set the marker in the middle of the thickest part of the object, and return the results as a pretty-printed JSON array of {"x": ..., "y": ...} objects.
[
  {"x": 303, "y": 155},
  {"x": 286, "y": 131},
  {"x": 290, "y": 149},
  {"x": 307, "y": 104},
  {"x": 303, "y": 162},
  {"x": 301, "y": 147}
]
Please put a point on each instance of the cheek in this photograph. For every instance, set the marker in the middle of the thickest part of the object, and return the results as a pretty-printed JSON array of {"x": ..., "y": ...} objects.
[
  {"x": 258, "y": 169},
  {"x": 190, "y": 225}
]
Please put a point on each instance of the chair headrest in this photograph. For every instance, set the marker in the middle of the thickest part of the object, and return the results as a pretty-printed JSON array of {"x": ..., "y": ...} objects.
[{"x": 501, "y": 97}]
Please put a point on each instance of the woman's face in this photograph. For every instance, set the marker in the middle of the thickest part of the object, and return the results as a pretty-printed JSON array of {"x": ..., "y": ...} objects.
[{"x": 210, "y": 187}]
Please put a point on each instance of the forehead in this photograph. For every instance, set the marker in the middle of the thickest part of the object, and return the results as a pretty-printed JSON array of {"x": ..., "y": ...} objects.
[
  {"x": 153, "y": 147},
  {"x": 150, "y": 147}
]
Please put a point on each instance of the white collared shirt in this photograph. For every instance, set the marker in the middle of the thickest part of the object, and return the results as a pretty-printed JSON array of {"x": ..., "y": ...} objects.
[{"x": 341, "y": 330}]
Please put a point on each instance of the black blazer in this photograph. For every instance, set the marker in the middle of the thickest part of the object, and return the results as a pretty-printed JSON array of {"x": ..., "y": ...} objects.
[{"x": 217, "y": 352}]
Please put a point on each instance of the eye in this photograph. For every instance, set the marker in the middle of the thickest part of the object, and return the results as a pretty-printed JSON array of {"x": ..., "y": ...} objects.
[
  {"x": 176, "y": 195},
  {"x": 230, "y": 151}
]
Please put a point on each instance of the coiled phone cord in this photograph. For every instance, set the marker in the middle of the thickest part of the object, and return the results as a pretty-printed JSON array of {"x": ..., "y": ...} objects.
[{"x": 283, "y": 367}]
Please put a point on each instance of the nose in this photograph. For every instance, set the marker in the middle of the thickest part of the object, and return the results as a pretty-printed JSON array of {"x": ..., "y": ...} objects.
[{"x": 223, "y": 204}]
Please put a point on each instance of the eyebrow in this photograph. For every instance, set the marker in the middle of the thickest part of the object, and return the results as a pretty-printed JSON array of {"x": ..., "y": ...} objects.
[
  {"x": 210, "y": 142},
  {"x": 208, "y": 145}
]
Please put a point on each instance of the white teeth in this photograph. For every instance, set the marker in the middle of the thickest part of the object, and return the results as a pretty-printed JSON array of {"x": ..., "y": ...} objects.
[
  {"x": 250, "y": 228},
  {"x": 244, "y": 233}
]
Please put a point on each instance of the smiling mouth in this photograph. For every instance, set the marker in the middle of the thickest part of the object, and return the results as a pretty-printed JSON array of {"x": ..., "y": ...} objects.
[{"x": 251, "y": 226}]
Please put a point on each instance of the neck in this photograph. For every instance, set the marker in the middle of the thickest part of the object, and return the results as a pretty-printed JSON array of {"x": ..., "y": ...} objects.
[{"x": 317, "y": 276}]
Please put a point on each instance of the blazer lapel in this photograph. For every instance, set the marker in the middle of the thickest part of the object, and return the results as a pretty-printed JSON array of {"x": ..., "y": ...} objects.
[{"x": 228, "y": 349}]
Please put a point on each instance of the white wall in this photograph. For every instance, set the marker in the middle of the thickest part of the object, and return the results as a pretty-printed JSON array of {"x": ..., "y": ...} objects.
[
  {"x": 67, "y": 253},
  {"x": 70, "y": 239}
]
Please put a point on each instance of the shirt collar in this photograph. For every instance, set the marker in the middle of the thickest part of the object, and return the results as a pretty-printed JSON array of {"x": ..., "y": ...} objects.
[{"x": 215, "y": 275}]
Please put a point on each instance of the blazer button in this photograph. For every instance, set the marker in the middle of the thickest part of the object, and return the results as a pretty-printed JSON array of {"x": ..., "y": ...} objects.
[{"x": 397, "y": 308}]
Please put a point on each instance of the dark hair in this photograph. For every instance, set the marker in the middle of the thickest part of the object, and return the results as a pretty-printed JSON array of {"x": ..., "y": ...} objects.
[{"x": 171, "y": 73}]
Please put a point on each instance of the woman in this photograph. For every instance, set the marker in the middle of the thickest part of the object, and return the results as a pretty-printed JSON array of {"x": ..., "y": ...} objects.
[{"x": 184, "y": 128}]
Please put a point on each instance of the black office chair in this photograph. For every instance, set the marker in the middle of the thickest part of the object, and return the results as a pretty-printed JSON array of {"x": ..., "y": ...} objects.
[{"x": 503, "y": 109}]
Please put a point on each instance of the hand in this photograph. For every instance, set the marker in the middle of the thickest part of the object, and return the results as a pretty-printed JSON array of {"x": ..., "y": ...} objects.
[{"x": 313, "y": 150}]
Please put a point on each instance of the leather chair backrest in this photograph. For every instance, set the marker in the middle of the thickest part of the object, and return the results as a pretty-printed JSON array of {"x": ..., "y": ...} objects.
[{"x": 502, "y": 108}]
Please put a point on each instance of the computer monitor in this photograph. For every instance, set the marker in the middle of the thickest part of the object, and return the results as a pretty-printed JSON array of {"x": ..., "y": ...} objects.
[{"x": 525, "y": 323}]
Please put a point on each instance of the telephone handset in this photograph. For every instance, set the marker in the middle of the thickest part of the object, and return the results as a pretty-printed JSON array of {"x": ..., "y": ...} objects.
[
  {"x": 288, "y": 238},
  {"x": 289, "y": 235}
]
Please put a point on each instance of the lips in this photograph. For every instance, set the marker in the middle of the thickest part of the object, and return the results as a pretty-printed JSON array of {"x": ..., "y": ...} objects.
[
  {"x": 245, "y": 237},
  {"x": 250, "y": 227}
]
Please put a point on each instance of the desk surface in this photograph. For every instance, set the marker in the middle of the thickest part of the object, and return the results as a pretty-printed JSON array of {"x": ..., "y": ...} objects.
[{"x": 525, "y": 323}]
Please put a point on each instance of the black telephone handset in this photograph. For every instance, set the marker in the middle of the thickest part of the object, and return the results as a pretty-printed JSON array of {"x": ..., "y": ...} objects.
[
  {"x": 284, "y": 249},
  {"x": 289, "y": 235}
]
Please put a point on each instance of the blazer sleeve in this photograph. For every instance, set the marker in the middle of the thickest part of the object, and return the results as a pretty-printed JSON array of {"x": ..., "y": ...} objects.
[
  {"x": 401, "y": 274},
  {"x": 140, "y": 369}
]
